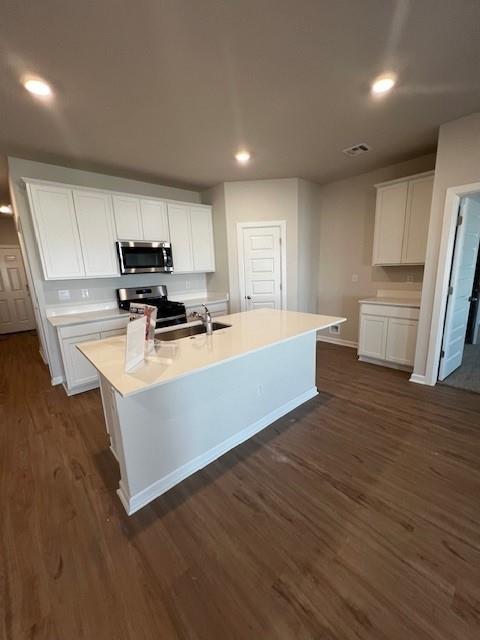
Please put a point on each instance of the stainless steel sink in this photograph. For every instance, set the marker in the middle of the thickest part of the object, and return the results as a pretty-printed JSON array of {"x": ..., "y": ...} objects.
[{"x": 189, "y": 332}]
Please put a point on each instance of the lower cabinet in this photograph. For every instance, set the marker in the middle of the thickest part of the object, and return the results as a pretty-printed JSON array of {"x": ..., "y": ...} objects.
[
  {"x": 78, "y": 370},
  {"x": 388, "y": 334},
  {"x": 80, "y": 375}
]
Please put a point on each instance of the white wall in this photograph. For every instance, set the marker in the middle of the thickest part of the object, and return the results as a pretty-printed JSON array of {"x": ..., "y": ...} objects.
[
  {"x": 458, "y": 163},
  {"x": 8, "y": 232},
  {"x": 308, "y": 228},
  {"x": 45, "y": 293},
  {"x": 261, "y": 201},
  {"x": 346, "y": 212}
]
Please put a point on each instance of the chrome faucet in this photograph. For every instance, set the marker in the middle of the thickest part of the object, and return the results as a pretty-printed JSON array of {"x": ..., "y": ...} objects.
[{"x": 206, "y": 319}]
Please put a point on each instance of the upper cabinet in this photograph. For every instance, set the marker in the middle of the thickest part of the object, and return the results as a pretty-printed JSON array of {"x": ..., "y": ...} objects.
[
  {"x": 191, "y": 235},
  {"x": 77, "y": 228},
  {"x": 128, "y": 217},
  {"x": 97, "y": 232},
  {"x": 401, "y": 220},
  {"x": 155, "y": 220},
  {"x": 57, "y": 231}
]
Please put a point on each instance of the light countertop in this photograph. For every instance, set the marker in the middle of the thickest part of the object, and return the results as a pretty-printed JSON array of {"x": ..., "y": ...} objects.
[
  {"x": 394, "y": 302},
  {"x": 210, "y": 298},
  {"x": 87, "y": 316},
  {"x": 250, "y": 331}
]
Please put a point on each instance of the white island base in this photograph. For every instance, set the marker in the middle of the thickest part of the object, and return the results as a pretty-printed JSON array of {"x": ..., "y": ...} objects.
[
  {"x": 197, "y": 398},
  {"x": 164, "y": 434}
]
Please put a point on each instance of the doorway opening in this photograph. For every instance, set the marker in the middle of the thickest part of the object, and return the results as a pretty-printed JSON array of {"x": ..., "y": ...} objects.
[
  {"x": 16, "y": 312},
  {"x": 460, "y": 354}
]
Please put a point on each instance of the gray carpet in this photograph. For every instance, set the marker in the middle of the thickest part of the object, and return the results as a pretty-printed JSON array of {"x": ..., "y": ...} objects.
[{"x": 467, "y": 376}]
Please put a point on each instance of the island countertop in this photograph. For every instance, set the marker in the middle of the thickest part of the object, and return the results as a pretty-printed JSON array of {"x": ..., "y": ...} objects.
[{"x": 249, "y": 331}]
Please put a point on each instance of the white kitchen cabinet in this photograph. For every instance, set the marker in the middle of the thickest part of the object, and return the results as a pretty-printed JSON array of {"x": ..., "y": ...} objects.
[
  {"x": 97, "y": 232},
  {"x": 180, "y": 237},
  {"x": 401, "y": 341},
  {"x": 154, "y": 220},
  {"x": 78, "y": 370},
  {"x": 417, "y": 219},
  {"x": 202, "y": 239},
  {"x": 402, "y": 217},
  {"x": 373, "y": 336},
  {"x": 128, "y": 217},
  {"x": 79, "y": 374},
  {"x": 191, "y": 235},
  {"x": 56, "y": 230},
  {"x": 388, "y": 334}
]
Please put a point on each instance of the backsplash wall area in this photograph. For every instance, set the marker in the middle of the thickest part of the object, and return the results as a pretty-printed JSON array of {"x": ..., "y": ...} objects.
[{"x": 77, "y": 292}]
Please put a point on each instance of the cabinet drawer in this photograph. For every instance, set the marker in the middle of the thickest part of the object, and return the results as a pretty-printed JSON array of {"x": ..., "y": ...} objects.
[
  {"x": 216, "y": 309},
  {"x": 113, "y": 332},
  {"x": 390, "y": 311}
]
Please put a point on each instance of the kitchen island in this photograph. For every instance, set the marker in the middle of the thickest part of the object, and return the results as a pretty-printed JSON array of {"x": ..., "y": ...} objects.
[{"x": 198, "y": 397}]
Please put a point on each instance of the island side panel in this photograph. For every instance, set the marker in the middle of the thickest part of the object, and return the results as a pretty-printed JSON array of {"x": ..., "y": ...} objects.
[{"x": 169, "y": 432}]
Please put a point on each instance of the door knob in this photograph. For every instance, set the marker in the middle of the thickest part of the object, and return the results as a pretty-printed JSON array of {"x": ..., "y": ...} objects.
[{"x": 248, "y": 297}]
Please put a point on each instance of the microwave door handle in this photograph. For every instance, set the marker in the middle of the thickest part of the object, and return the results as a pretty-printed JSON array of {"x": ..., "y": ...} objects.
[{"x": 165, "y": 259}]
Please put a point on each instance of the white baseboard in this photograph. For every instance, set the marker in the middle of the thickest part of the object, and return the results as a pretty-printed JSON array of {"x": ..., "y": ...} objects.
[
  {"x": 57, "y": 380},
  {"x": 42, "y": 355},
  {"x": 385, "y": 363},
  {"x": 140, "y": 499},
  {"x": 340, "y": 341},
  {"x": 418, "y": 379}
]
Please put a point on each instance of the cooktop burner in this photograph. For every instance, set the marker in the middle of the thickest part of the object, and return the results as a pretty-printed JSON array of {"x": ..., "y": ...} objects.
[{"x": 168, "y": 312}]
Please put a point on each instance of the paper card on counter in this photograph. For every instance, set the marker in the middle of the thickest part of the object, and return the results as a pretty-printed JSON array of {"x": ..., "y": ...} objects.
[{"x": 135, "y": 343}]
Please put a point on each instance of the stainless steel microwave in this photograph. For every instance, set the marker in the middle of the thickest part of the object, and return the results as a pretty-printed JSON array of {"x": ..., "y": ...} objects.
[{"x": 145, "y": 257}]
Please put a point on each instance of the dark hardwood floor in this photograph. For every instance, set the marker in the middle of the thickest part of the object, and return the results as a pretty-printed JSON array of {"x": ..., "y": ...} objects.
[{"x": 355, "y": 516}]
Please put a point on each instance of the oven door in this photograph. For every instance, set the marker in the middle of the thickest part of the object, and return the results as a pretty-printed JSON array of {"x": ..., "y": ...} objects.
[{"x": 145, "y": 257}]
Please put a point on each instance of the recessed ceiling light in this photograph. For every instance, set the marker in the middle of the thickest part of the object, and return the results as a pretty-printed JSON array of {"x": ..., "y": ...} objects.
[
  {"x": 6, "y": 208},
  {"x": 383, "y": 85},
  {"x": 242, "y": 157},
  {"x": 37, "y": 87}
]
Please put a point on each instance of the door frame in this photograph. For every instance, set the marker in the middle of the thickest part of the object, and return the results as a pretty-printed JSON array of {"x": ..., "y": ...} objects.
[
  {"x": 17, "y": 247},
  {"x": 283, "y": 255},
  {"x": 442, "y": 282}
]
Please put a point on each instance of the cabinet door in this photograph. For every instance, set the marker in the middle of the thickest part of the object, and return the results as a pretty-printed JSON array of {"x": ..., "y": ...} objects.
[
  {"x": 78, "y": 369},
  {"x": 202, "y": 239},
  {"x": 419, "y": 201},
  {"x": 373, "y": 336},
  {"x": 180, "y": 237},
  {"x": 390, "y": 223},
  {"x": 56, "y": 230},
  {"x": 155, "y": 220},
  {"x": 128, "y": 218},
  {"x": 97, "y": 232},
  {"x": 401, "y": 341}
]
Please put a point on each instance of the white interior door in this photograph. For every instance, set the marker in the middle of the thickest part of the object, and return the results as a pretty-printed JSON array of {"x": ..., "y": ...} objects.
[
  {"x": 16, "y": 313},
  {"x": 461, "y": 283},
  {"x": 260, "y": 257}
]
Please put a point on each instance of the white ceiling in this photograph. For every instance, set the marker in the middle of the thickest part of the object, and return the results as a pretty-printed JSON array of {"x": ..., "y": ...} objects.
[{"x": 167, "y": 90}]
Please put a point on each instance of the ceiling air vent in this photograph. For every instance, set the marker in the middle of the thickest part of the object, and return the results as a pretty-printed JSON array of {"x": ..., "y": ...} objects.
[{"x": 357, "y": 149}]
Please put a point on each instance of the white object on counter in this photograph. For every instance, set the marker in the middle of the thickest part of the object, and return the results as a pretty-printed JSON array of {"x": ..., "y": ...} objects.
[{"x": 199, "y": 397}]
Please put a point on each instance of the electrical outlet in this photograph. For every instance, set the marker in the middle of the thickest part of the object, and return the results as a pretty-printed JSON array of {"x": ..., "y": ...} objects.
[
  {"x": 334, "y": 329},
  {"x": 187, "y": 284},
  {"x": 64, "y": 294},
  {"x": 354, "y": 277},
  {"x": 85, "y": 293}
]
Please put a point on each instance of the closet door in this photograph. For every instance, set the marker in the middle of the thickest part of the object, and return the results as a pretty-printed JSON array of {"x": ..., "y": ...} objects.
[
  {"x": 56, "y": 229},
  {"x": 128, "y": 217},
  {"x": 97, "y": 232}
]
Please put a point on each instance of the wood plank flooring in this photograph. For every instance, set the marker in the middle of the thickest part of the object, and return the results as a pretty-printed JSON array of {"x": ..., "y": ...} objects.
[{"x": 357, "y": 516}]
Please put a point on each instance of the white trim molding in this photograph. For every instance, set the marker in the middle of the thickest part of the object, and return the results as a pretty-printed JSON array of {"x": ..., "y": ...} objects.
[
  {"x": 283, "y": 255},
  {"x": 450, "y": 213},
  {"x": 417, "y": 378},
  {"x": 339, "y": 341}
]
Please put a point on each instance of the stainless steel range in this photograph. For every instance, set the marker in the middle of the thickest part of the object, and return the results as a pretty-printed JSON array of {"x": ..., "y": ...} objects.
[{"x": 168, "y": 312}]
